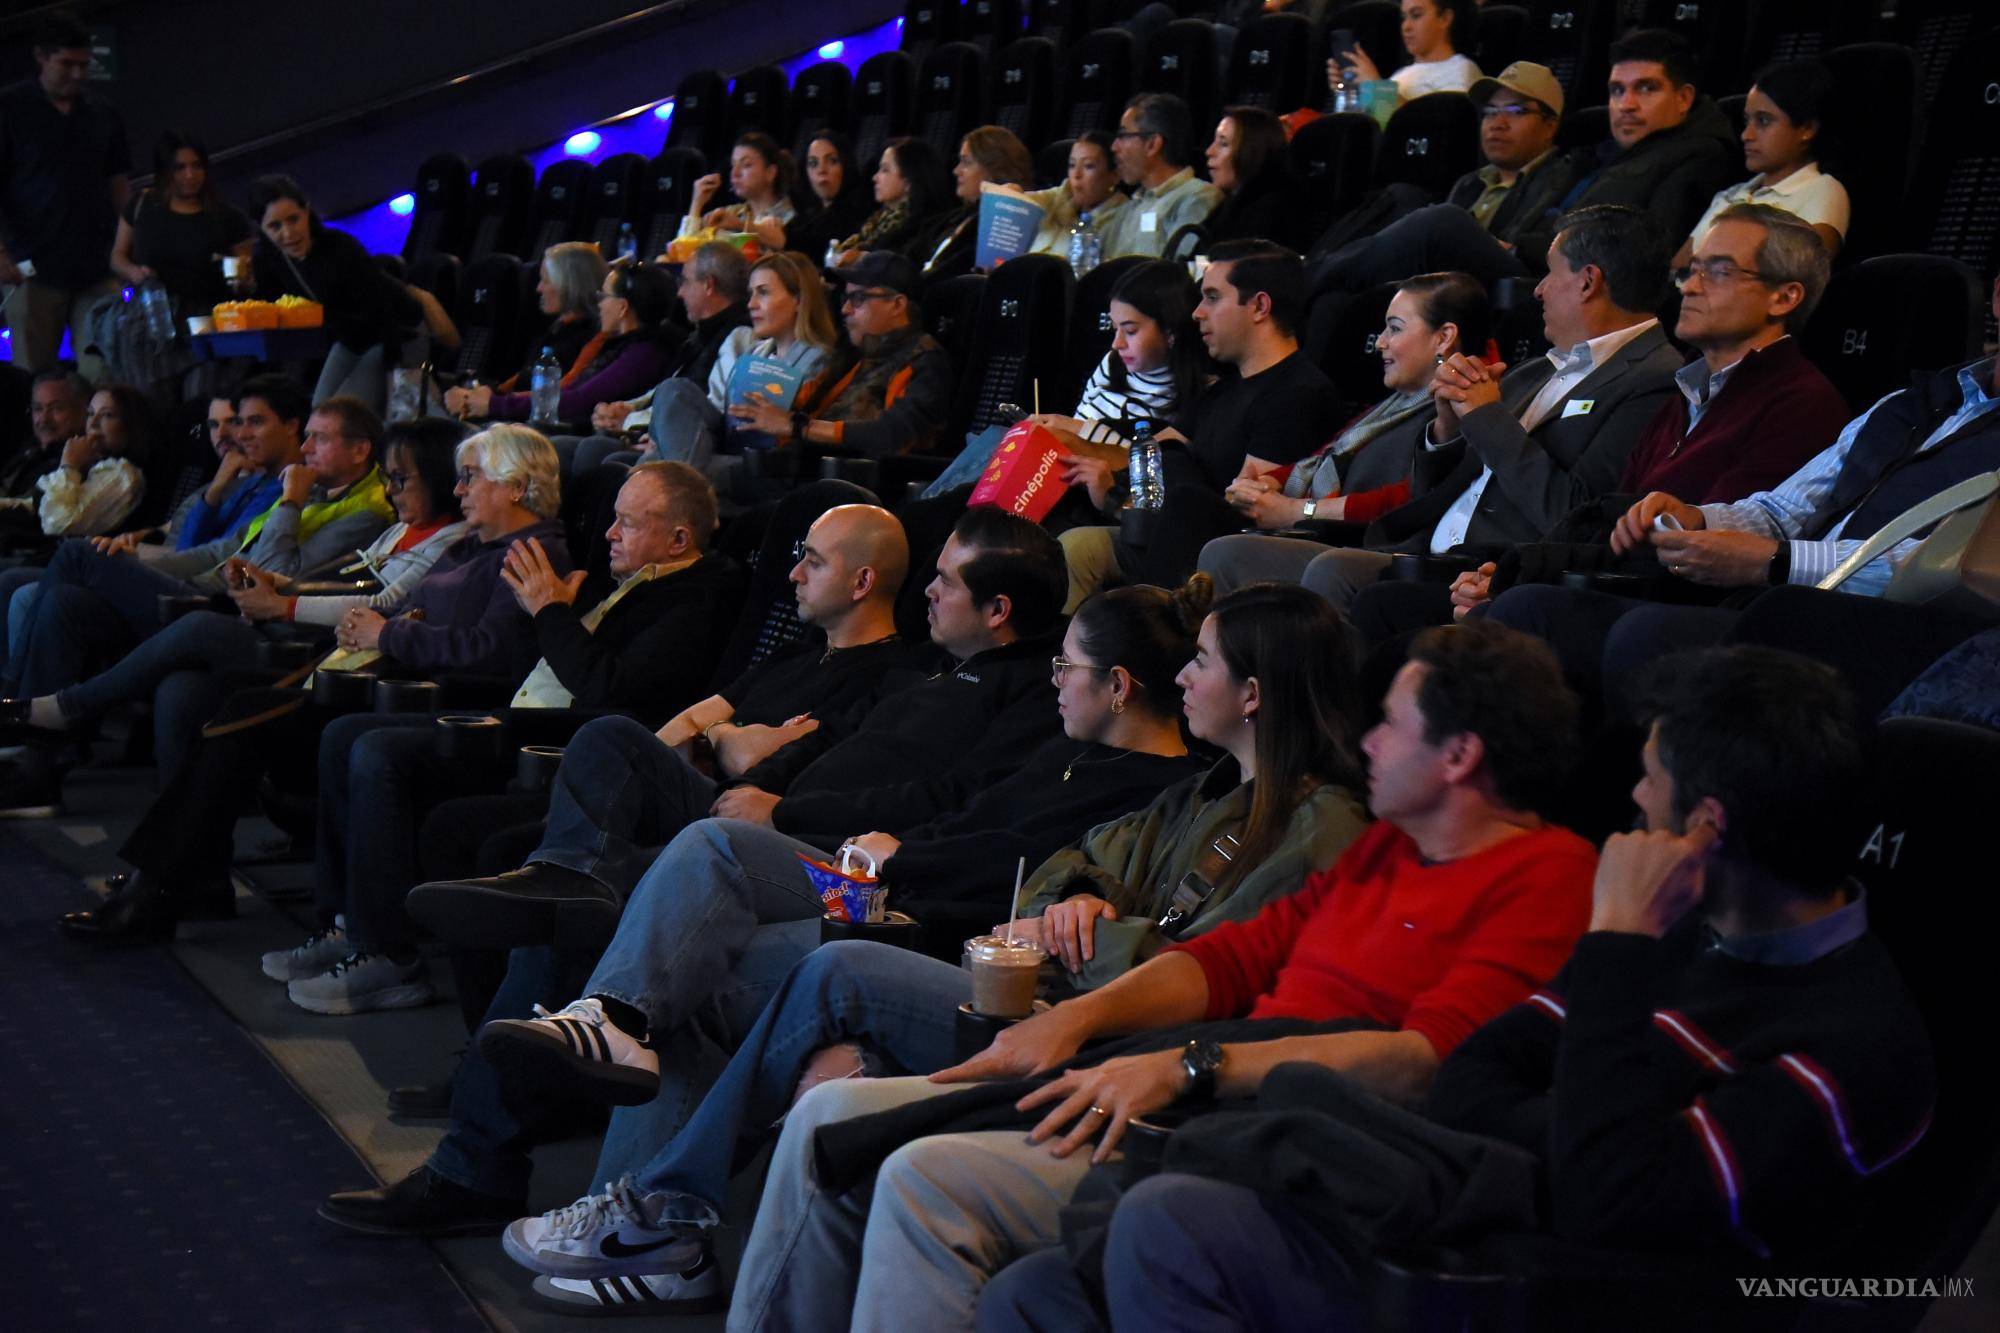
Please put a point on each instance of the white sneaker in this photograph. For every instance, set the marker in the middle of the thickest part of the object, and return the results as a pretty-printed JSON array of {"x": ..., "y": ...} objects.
[
  {"x": 576, "y": 1050},
  {"x": 601, "y": 1235},
  {"x": 364, "y": 981},
  {"x": 697, "y": 1290},
  {"x": 315, "y": 956}
]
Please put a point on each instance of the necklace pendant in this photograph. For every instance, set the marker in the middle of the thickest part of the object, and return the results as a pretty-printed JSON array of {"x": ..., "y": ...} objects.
[{"x": 1072, "y": 764}]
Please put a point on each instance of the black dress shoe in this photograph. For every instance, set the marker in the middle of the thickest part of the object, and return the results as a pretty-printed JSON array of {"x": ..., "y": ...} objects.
[
  {"x": 537, "y": 904},
  {"x": 421, "y": 1101},
  {"x": 422, "y": 1203},
  {"x": 139, "y": 913}
]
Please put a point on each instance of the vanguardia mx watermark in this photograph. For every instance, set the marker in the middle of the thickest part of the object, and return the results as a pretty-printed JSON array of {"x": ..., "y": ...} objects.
[{"x": 1853, "y": 1288}]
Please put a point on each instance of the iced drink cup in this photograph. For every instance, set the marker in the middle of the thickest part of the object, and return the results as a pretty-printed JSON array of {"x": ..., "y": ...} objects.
[{"x": 1004, "y": 973}]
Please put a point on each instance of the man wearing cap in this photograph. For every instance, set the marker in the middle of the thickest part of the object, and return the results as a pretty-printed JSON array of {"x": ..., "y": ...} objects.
[
  {"x": 1524, "y": 177},
  {"x": 894, "y": 395}
]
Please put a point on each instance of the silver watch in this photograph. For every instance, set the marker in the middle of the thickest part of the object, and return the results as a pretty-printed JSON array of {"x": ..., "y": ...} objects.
[{"x": 1312, "y": 508}]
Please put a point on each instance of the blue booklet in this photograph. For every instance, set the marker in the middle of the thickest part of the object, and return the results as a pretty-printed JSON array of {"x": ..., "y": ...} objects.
[
  {"x": 1007, "y": 226},
  {"x": 774, "y": 381}
]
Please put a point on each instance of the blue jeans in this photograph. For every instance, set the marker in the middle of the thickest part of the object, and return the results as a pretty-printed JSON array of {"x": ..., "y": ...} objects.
[
  {"x": 17, "y": 596},
  {"x": 619, "y": 795},
  {"x": 1185, "y": 1255},
  {"x": 202, "y": 640},
  {"x": 89, "y": 611},
  {"x": 486, "y": 1147},
  {"x": 379, "y": 774},
  {"x": 900, "y": 1002}
]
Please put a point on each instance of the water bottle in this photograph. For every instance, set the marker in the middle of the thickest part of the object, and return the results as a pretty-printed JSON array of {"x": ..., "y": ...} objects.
[
  {"x": 158, "y": 309},
  {"x": 1086, "y": 247},
  {"x": 628, "y": 243},
  {"x": 1346, "y": 92},
  {"x": 1148, "y": 488},
  {"x": 545, "y": 388}
]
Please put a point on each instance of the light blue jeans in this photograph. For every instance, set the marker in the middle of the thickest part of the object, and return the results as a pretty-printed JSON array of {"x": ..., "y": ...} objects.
[{"x": 901, "y": 1003}]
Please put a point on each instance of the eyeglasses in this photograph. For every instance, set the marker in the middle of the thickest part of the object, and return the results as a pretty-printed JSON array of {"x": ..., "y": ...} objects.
[
  {"x": 1131, "y": 134},
  {"x": 862, "y": 295},
  {"x": 1713, "y": 270},
  {"x": 468, "y": 475},
  {"x": 1510, "y": 110},
  {"x": 1060, "y": 667},
  {"x": 396, "y": 481}
]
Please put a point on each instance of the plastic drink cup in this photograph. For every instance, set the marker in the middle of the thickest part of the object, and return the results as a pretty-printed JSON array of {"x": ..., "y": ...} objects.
[{"x": 1004, "y": 974}]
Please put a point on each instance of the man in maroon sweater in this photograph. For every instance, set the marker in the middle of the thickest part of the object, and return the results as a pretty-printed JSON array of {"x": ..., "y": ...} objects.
[
  {"x": 1455, "y": 907},
  {"x": 1726, "y": 1071}
]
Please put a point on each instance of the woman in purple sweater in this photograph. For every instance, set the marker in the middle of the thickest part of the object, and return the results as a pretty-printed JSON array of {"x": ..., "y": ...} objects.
[{"x": 633, "y": 309}]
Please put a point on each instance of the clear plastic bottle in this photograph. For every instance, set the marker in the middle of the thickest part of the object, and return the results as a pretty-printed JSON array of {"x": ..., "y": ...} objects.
[
  {"x": 1148, "y": 487},
  {"x": 628, "y": 243},
  {"x": 1086, "y": 247},
  {"x": 1346, "y": 91},
  {"x": 545, "y": 388},
  {"x": 158, "y": 308}
]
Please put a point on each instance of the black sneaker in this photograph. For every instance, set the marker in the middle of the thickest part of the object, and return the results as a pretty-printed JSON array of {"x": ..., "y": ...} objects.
[
  {"x": 537, "y": 904},
  {"x": 422, "y": 1203}
]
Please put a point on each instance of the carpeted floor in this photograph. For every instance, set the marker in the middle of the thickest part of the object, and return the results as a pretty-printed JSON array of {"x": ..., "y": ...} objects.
[{"x": 155, "y": 1158}]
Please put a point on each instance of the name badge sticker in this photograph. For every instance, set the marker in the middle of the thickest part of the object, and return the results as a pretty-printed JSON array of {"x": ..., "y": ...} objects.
[
  {"x": 1149, "y": 222},
  {"x": 1577, "y": 407}
]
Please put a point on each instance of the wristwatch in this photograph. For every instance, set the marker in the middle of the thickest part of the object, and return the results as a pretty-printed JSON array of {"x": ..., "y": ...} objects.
[
  {"x": 1312, "y": 508},
  {"x": 1779, "y": 571},
  {"x": 1201, "y": 1059}
]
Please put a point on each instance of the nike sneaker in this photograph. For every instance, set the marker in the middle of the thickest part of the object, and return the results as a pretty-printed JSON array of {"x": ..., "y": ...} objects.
[{"x": 613, "y": 1234}]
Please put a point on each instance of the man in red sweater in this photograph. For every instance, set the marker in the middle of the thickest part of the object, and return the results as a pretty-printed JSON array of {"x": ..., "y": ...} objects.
[{"x": 1454, "y": 907}]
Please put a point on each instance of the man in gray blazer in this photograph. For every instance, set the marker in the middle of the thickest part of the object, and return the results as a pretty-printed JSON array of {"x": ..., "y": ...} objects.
[{"x": 1509, "y": 456}]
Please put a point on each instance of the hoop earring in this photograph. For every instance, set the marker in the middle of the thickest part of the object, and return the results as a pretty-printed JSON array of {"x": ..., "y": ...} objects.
[{"x": 1117, "y": 703}]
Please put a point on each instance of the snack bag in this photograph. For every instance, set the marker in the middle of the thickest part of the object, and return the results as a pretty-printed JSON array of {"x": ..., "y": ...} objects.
[
  {"x": 1025, "y": 474},
  {"x": 846, "y": 893}
]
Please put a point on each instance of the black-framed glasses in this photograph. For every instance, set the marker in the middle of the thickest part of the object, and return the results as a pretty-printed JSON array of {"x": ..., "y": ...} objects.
[
  {"x": 396, "y": 481},
  {"x": 1511, "y": 110},
  {"x": 1713, "y": 270},
  {"x": 468, "y": 475},
  {"x": 857, "y": 296},
  {"x": 1131, "y": 134},
  {"x": 1060, "y": 667}
]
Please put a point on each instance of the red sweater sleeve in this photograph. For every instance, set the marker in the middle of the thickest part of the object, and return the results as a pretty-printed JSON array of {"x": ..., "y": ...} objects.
[
  {"x": 1367, "y": 506},
  {"x": 1241, "y": 958},
  {"x": 1527, "y": 927}
]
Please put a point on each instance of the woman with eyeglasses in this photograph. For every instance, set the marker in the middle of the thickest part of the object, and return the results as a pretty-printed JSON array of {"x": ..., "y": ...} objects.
[
  {"x": 1784, "y": 121},
  {"x": 1268, "y": 679},
  {"x": 633, "y": 307}
]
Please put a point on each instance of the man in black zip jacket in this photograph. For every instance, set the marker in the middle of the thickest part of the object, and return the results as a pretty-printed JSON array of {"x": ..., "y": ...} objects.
[{"x": 1722, "y": 1079}]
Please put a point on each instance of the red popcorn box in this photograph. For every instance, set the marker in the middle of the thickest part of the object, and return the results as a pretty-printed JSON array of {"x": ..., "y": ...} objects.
[{"x": 1025, "y": 474}]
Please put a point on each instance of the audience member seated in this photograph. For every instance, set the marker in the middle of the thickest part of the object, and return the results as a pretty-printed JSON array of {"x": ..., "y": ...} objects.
[
  {"x": 633, "y": 308},
  {"x": 1270, "y": 684},
  {"x": 90, "y": 607},
  {"x": 912, "y": 185},
  {"x": 1433, "y": 30},
  {"x": 644, "y": 646},
  {"x": 1525, "y": 176},
  {"x": 1153, "y": 148},
  {"x": 760, "y": 176},
  {"x": 174, "y": 232},
  {"x": 568, "y": 287},
  {"x": 835, "y": 199},
  {"x": 1451, "y": 909},
  {"x": 58, "y": 411},
  {"x": 1783, "y": 118},
  {"x": 1751, "y": 409},
  {"x": 1507, "y": 458},
  {"x": 1157, "y": 361},
  {"x": 896, "y": 389},
  {"x": 1250, "y": 162},
  {"x": 857, "y": 712},
  {"x": 948, "y": 245},
  {"x": 714, "y": 289},
  {"x": 1765, "y": 553},
  {"x": 1364, "y": 471},
  {"x": 236, "y": 492},
  {"x": 100, "y": 478},
  {"x": 366, "y": 309},
  {"x": 459, "y": 617},
  {"x": 1275, "y": 410},
  {"x": 1760, "y": 1142},
  {"x": 1089, "y": 185}
]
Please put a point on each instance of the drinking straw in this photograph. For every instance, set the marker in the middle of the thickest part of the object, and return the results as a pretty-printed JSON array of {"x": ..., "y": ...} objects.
[
  {"x": 1020, "y": 872},
  {"x": 1037, "y": 386}
]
